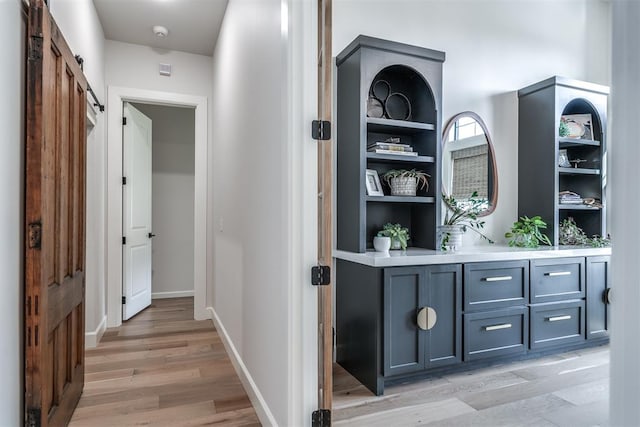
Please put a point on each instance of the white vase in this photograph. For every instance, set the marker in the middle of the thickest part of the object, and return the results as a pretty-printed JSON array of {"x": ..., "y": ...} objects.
[
  {"x": 449, "y": 237},
  {"x": 381, "y": 243}
]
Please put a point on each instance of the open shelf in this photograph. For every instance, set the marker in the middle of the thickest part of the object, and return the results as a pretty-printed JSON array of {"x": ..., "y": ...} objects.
[
  {"x": 574, "y": 142},
  {"x": 400, "y": 199},
  {"x": 579, "y": 171},
  {"x": 400, "y": 158},
  {"x": 576, "y": 207},
  {"x": 397, "y": 126}
]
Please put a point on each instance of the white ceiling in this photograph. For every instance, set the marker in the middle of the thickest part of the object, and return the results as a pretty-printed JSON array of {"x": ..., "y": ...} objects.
[{"x": 193, "y": 24}]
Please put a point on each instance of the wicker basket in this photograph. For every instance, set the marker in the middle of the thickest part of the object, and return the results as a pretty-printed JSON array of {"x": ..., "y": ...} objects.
[{"x": 403, "y": 186}]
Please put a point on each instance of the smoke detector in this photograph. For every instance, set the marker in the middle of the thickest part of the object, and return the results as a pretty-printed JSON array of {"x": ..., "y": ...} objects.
[{"x": 160, "y": 31}]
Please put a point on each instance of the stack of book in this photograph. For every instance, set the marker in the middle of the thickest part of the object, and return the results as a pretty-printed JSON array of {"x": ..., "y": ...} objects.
[
  {"x": 569, "y": 198},
  {"x": 391, "y": 148}
]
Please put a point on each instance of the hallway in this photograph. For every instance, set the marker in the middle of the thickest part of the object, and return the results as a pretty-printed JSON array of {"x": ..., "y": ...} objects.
[{"x": 162, "y": 368}]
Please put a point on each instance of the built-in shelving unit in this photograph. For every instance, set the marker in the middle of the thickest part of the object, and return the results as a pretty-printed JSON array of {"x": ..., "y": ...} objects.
[
  {"x": 541, "y": 108},
  {"x": 416, "y": 74}
]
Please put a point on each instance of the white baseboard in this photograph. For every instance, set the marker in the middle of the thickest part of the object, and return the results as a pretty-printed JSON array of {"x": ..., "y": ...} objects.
[
  {"x": 258, "y": 402},
  {"x": 173, "y": 294},
  {"x": 91, "y": 339}
]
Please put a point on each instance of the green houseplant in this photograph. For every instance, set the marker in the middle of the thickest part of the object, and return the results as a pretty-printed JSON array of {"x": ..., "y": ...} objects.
[
  {"x": 460, "y": 216},
  {"x": 526, "y": 233},
  {"x": 570, "y": 234},
  {"x": 399, "y": 235},
  {"x": 405, "y": 182}
]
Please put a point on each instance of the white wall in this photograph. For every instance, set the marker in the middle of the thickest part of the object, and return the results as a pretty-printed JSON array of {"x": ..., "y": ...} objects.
[
  {"x": 625, "y": 328},
  {"x": 172, "y": 195},
  {"x": 251, "y": 259},
  {"x": 12, "y": 78},
  {"x": 135, "y": 66},
  {"x": 493, "y": 48},
  {"x": 79, "y": 23}
]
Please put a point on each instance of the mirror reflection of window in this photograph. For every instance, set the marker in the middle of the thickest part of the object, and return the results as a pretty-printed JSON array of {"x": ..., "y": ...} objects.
[{"x": 467, "y": 162}]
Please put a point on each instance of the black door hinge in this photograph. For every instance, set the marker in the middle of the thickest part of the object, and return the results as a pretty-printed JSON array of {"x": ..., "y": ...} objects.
[
  {"x": 124, "y": 180},
  {"x": 124, "y": 240},
  {"x": 321, "y": 130},
  {"x": 35, "y": 235},
  {"x": 35, "y": 48},
  {"x": 124, "y": 121},
  {"x": 124, "y": 300},
  {"x": 33, "y": 417},
  {"x": 320, "y": 275},
  {"x": 321, "y": 418}
]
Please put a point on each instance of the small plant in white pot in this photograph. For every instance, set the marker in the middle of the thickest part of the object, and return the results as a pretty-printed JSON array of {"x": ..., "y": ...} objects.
[
  {"x": 397, "y": 234},
  {"x": 404, "y": 182},
  {"x": 460, "y": 217}
]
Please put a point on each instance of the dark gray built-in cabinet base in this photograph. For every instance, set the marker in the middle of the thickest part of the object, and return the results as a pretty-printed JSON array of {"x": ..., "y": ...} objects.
[{"x": 393, "y": 323}]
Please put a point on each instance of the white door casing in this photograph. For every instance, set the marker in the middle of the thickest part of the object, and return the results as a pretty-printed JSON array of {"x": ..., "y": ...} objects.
[{"x": 136, "y": 206}]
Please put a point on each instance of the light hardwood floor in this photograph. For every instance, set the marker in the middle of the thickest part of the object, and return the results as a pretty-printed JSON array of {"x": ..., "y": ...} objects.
[
  {"x": 569, "y": 389},
  {"x": 162, "y": 368}
]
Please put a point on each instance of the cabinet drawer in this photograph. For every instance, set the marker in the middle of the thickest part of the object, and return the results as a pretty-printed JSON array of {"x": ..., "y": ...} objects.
[
  {"x": 490, "y": 285},
  {"x": 495, "y": 333},
  {"x": 557, "y": 323},
  {"x": 557, "y": 279}
]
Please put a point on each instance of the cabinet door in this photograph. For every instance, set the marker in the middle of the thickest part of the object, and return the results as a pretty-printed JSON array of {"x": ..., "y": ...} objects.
[
  {"x": 403, "y": 341},
  {"x": 598, "y": 282},
  {"x": 444, "y": 296}
]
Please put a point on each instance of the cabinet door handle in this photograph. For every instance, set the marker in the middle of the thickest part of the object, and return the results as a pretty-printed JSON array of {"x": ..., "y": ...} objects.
[
  {"x": 558, "y": 273},
  {"x": 497, "y": 327},
  {"x": 558, "y": 318},
  {"x": 498, "y": 279},
  {"x": 607, "y": 296},
  {"x": 427, "y": 318}
]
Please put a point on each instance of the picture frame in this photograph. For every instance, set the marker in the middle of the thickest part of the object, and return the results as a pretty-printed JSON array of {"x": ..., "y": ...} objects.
[
  {"x": 563, "y": 159},
  {"x": 580, "y": 125},
  {"x": 372, "y": 182}
]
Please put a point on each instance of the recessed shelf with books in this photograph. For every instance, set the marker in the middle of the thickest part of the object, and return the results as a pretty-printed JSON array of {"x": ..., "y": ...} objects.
[
  {"x": 562, "y": 129},
  {"x": 398, "y": 127}
]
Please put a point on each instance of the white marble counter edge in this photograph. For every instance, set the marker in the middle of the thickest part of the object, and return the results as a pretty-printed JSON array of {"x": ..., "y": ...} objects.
[{"x": 475, "y": 254}]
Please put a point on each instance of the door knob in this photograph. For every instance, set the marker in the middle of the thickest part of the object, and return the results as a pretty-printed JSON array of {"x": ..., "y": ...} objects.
[
  {"x": 427, "y": 318},
  {"x": 151, "y": 235}
]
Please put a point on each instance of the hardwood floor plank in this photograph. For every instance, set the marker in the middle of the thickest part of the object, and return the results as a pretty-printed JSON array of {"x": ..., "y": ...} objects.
[
  {"x": 548, "y": 391},
  {"x": 410, "y": 415},
  {"x": 162, "y": 368}
]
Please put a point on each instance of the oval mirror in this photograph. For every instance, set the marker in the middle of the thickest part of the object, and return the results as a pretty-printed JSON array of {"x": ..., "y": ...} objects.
[{"x": 468, "y": 161}]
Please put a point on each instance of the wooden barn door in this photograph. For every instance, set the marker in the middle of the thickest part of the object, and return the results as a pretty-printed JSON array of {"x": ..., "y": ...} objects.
[{"x": 55, "y": 224}]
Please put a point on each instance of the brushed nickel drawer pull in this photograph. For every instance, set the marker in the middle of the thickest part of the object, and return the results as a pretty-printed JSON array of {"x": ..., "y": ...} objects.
[
  {"x": 558, "y": 273},
  {"x": 498, "y": 278},
  {"x": 427, "y": 318},
  {"x": 496, "y": 327},
  {"x": 558, "y": 318}
]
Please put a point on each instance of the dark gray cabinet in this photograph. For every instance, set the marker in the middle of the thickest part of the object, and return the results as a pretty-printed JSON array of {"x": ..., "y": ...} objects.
[
  {"x": 434, "y": 293},
  {"x": 398, "y": 322},
  {"x": 598, "y": 285},
  {"x": 542, "y": 177},
  {"x": 495, "y": 333},
  {"x": 490, "y": 285},
  {"x": 557, "y": 279},
  {"x": 407, "y": 72},
  {"x": 557, "y": 323}
]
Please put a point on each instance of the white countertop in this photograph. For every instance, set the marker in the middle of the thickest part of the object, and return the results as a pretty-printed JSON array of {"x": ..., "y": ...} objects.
[{"x": 472, "y": 254}]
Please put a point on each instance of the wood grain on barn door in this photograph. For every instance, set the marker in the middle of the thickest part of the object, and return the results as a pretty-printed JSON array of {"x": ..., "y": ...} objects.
[{"x": 55, "y": 224}]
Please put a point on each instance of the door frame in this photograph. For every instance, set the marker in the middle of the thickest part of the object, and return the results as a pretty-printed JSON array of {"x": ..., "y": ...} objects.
[{"x": 116, "y": 96}]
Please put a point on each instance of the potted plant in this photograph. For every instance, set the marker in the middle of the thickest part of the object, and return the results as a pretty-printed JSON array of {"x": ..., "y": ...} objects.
[
  {"x": 406, "y": 182},
  {"x": 570, "y": 234},
  {"x": 461, "y": 215},
  {"x": 525, "y": 233},
  {"x": 397, "y": 234}
]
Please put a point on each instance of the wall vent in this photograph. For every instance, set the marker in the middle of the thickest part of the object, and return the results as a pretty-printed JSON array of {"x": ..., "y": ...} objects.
[{"x": 165, "y": 69}]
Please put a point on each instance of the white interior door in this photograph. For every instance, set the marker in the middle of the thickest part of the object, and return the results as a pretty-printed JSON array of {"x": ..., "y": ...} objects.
[{"x": 136, "y": 204}]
